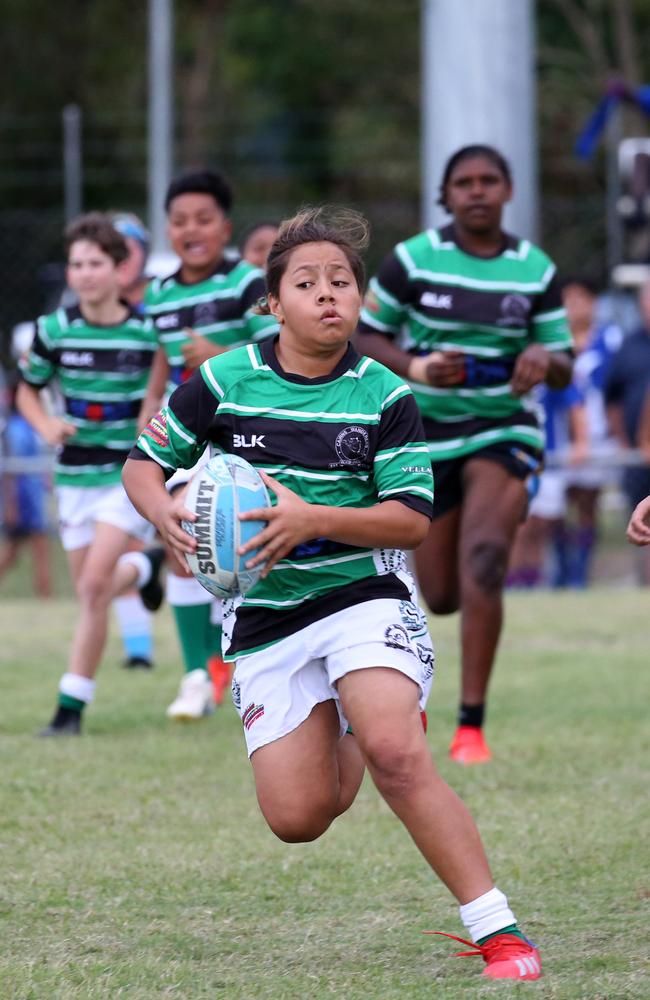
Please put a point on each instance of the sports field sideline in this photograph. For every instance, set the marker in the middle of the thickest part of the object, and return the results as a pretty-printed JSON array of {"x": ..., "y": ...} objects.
[{"x": 135, "y": 863}]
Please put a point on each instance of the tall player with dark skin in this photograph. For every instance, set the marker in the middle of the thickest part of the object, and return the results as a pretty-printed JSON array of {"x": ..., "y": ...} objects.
[{"x": 462, "y": 563}]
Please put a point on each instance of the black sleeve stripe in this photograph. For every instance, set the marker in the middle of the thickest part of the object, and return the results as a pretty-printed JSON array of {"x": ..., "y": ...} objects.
[{"x": 401, "y": 423}]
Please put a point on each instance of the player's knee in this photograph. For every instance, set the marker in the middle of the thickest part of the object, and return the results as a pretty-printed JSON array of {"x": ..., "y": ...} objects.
[
  {"x": 300, "y": 828},
  {"x": 440, "y": 601},
  {"x": 94, "y": 590},
  {"x": 487, "y": 565},
  {"x": 395, "y": 764}
]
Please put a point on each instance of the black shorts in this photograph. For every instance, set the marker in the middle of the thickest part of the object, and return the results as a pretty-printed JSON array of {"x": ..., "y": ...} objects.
[
  {"x": 636, "y": 484},
  {"x": 521, "y": 460}
]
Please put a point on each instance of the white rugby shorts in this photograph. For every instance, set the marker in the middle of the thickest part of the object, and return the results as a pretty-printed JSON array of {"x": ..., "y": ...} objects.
[
  {"x": 81, "y": 507},
  {"x": 275, "y": 689}
]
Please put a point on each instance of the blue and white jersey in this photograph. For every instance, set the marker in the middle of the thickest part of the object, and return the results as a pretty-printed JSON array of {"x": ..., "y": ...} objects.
[{"x": 590, "y": 372}]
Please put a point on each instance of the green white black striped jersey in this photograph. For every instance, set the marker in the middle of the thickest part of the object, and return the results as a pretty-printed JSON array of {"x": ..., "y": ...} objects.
[
  {"x": 430, "y": 295},
  {"x": 102, "y": 373},
  {"x": 351, "y": 439},
  {"x": 221, "y": 309}
]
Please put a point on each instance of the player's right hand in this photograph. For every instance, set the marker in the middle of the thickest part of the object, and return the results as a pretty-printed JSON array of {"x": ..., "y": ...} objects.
[
  {"x": 638, "y": 530},
  {"x": 440, "y": 368},
  {"x": 57, "y": 431}
]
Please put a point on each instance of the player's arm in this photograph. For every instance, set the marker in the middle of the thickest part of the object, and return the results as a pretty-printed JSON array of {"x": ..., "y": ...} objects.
[
  {"x": 293, "y": 521},
  {"x": 382, "y": 315},
  {"x": 549, "y": 357},
  {"x": 54, "y": 430},
  {"x": 144, "y": 482},
  {"x": 175, "y": 438},
  {"x": 152, "y": 401}
]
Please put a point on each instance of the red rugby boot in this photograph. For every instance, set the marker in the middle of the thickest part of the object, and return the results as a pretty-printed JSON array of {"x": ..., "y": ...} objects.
[
  {"x": 506, "y": 956},
  {"x": 469, "y": 747}
]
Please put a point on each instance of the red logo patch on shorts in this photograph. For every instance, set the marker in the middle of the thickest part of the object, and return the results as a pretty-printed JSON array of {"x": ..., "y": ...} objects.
[
  {"x": 156, "y": 429},
  {"x": 251, "y": 714}
]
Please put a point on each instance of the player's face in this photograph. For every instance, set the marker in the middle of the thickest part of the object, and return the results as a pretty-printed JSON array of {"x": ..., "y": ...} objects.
[
  {"x": 256, "y": 248},
  {"x": 199, "y": 231},
  {"x": 476, "y": 193},
  {"x": 319, "y": 302},
  {"x": 91, "y": 273},
  {"x": 579, "y": 304}
]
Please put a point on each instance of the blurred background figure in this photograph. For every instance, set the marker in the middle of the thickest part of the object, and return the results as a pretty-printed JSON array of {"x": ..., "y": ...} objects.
[
  {"x": 133, "y": 277},
  {"x": 256, "y": 242},
  {"x": 626, "y": 387},
  {"x": 595, "y": 345},
  {"x": 24, "y": 502},
  {"x": 566, "y": 436}
]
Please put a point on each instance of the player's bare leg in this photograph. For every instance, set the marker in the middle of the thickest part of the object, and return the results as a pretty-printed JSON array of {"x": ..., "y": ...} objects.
[
  {"x": 493, "y": 505},
  {"x": 436, "y": 564},
  {"x": 96, "y": 588},
  {"x": 306, "y": 779},
  {"x": 382, "y": 706}
]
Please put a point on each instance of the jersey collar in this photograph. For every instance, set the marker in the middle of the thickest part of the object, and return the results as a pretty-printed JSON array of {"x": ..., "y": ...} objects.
[{"x": 267, "y": 350}]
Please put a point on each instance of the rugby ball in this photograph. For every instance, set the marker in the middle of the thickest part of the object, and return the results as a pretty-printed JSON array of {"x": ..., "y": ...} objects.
[{"x": 222, "y": 489}]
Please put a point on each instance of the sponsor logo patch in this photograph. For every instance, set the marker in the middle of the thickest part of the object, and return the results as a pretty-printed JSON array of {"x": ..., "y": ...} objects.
[
  {"x": 251, "y": 714},
  {"x": 156, "y": 429}
]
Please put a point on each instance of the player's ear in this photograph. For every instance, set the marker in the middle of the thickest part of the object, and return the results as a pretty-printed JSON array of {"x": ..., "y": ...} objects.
[{"x": 275, "y": 308}]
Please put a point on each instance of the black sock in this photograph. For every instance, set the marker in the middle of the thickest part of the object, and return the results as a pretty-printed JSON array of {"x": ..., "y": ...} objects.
[{"x": 471, "y": 715}]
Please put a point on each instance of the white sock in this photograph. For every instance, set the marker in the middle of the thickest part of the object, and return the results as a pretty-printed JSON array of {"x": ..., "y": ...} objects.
[
  {"x": 487, "y": 914},
  {"x": 76, "y": 686},
  {"x": 142, "y": 565}
]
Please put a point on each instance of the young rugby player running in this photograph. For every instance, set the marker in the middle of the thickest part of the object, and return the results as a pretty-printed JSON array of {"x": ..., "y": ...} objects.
[
  {"x": 471, "y": 316},
  {"x": 100, "y": 353},
  {"x": 206, "y": 308},
  {"x": 330, "y": 636}
]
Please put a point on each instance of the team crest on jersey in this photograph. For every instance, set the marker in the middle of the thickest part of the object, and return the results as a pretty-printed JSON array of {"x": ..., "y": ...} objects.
[
  {"x": 514, "y": 310},
  {"x": 156, "y": 429},
  {"x": 128, "y": 361},
  {"x": 205, "y": 313},
  {"x": 352, "y": 445},
  {"x": 251, "y": 714}
]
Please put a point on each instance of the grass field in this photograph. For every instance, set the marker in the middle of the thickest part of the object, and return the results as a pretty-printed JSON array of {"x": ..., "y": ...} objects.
[{"x": 136, "y": 864}]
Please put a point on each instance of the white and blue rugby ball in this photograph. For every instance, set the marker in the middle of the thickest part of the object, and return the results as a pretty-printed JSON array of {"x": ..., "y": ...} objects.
[{"x": 223, "y": 488}]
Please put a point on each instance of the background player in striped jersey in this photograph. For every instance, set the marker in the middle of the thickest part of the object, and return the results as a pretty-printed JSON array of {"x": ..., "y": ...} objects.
[
  {"x": 330, "y": 633},
  {"x": 206, "y": 308},
  {"x": 472, "y": 317},
  {"x": 100, "y": 353}
]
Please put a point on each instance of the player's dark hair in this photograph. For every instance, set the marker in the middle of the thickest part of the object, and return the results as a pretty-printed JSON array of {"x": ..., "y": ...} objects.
[
  {"x": 201, "y": 182},
  {"x": 343, "y": 227},
  {"x": 95, "y": 227},
  {"x": 252, "y": 229},
  {"x": 586, "y": 281},
  {"x": 469, "y": 153}
]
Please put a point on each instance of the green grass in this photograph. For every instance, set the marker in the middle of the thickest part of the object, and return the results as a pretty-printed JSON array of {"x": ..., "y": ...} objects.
[{"x": 135, "y": 863}]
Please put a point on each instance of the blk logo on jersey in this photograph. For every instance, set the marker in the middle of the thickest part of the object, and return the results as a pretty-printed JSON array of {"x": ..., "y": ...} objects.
[
  {"x": 254, "y": 441},
  {"x": 82, "y": 359},
  {"x": 435, "y": 301},
  {"x": 169, "y": 322}
]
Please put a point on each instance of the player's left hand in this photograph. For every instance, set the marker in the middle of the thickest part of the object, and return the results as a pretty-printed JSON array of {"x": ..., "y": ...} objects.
[
  {"x": 531, "y": 368},
  {"x": 289, "y": 523},
  {"x": 198, "y": 349}
]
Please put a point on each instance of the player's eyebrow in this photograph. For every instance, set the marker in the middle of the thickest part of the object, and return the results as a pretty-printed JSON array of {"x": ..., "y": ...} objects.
[{"x": 315, "y": 267}]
